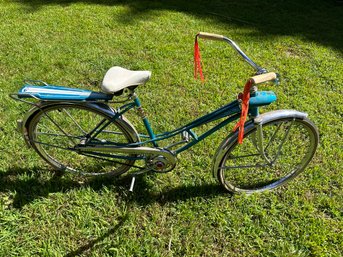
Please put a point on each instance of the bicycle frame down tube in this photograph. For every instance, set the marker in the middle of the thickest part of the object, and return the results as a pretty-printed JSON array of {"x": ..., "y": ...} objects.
[{"x": 207, "y": 133}]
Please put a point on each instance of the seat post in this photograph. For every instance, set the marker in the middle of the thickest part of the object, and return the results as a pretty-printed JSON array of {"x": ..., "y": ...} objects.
[{"x": 141, "y": 113}]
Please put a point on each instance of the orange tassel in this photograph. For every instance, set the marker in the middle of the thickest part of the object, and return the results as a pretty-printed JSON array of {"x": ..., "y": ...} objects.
[
  {"x": 244, "y": 113},
  {"x": 197, "y": 60}
]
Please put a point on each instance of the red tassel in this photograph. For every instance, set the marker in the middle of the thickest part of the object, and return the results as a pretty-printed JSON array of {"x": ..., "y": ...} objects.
[
  {"x": 197, "y": 60},
  {"x": 245, "y": 107}
]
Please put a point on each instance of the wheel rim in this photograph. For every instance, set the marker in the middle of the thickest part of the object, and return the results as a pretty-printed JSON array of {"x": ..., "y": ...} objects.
[
  {"x": 243, "y": 168},
  {"x": 55, "y": 132}
]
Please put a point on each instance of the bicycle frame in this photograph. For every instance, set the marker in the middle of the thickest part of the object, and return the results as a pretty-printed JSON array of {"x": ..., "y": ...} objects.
[{"x": 231, "y": 111}]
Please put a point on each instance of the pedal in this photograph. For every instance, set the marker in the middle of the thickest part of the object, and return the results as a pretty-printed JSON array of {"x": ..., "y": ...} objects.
[{"x": 132, "y": 183}]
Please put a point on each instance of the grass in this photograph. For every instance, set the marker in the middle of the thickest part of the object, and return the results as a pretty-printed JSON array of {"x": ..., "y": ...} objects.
[{"x": 185, "y": 212}]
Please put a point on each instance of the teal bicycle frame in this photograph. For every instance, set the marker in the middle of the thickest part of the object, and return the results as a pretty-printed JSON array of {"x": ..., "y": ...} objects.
[{"x": 231, "y": 111}]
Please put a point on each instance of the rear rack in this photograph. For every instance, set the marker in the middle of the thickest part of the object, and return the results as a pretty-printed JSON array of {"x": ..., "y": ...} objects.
[
  {"x": 36, "y": 92},
  {"x": 36, "y": 101},
  {"x": 32, "y": 82}
]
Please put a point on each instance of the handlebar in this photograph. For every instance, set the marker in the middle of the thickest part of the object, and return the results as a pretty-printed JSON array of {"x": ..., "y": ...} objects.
[
  {"x": 258, "y": 79},
  {"x": 211, "y": 36}
]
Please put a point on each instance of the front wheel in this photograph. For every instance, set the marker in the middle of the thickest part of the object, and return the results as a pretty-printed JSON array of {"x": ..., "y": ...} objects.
[{"x": 270, "y": 155}]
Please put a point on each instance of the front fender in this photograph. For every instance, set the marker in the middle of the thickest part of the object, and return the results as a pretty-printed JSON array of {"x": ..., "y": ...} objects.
[
  {"x": 259, "y": 120},
  {"x": 279, "y": 114}
]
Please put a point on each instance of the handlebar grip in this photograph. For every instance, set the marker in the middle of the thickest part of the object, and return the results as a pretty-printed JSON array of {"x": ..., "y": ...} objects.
[
  {"x": 264, "y": 78},
  {"x": 210, "y": 36}
]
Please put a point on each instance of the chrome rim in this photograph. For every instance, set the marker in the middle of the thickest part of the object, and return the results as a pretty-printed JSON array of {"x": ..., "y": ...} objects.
[
  {"x": 55, "y": 132},
  {"x": 289, "y": 145}
]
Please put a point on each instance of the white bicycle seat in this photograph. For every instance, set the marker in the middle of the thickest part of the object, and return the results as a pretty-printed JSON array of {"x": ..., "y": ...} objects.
[{"x": 118, "y": 78}]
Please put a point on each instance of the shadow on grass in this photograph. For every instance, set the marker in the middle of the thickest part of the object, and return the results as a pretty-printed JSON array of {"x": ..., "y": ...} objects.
[
  {"x": 144, "y": 197},
  {"x": 91, "y": 244},
  {"x": 317, "y": 21},
  {"x": 28, "y": 185}
]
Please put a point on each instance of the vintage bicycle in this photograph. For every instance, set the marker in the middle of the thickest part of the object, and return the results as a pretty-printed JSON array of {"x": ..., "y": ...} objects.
[{"x": 77, "y": 130}]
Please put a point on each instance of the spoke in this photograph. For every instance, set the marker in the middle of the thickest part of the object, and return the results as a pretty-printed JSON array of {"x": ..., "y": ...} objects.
[
  {"x": 283, "y": 141},
  {"x": 56, "y": 146},
  {"x": 59, "y": 127},
  {"x": 260, "y": 143},
  {"x": 58, "y": 135},
  {"x": 273, "y": 136},
  {"x": 83, "y": 131}
]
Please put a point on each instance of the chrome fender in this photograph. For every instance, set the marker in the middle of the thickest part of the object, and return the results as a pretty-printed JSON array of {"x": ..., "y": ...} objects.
[
  {"x": 23, "y": 125},
  {"x": 259, "y": 120}
]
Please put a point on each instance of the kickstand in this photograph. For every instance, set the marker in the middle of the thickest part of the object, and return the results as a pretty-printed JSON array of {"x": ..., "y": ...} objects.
[
  {"x": 132, "y": 183},
  {"x": 134, "y": 177}
]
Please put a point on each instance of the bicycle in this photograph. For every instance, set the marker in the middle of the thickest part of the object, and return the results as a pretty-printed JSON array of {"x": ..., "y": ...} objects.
[{"x": 77, "y": 130}]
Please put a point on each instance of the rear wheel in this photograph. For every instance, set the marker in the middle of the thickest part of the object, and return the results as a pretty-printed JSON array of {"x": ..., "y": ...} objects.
[
  {"x": 56, "y": 131},
  {"x": 288, "y": 143}
]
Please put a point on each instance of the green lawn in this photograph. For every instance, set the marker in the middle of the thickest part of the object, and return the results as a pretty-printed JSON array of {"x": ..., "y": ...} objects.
[{"x": 184, "y": 212}]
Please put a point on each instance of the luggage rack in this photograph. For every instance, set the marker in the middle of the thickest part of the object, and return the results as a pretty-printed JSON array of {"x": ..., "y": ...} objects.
[{"x": 42, "y": 92}]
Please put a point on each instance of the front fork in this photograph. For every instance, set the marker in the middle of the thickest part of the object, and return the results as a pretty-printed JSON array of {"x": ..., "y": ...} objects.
[
  {"x": 258, "y": 136},
  {"x": 258, "y": 140}
]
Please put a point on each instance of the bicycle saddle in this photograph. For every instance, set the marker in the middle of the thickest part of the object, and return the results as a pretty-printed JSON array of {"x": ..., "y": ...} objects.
[{"x": 118, "y": 78}]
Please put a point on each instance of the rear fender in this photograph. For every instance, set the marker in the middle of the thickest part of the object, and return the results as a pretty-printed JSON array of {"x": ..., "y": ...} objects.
[{"x": 23, "y": 125}]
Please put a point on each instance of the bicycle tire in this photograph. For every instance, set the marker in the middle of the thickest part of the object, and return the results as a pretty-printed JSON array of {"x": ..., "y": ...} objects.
[
  {"x": 243, "y": 168},
  {"x": 55, "y": 146}
]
